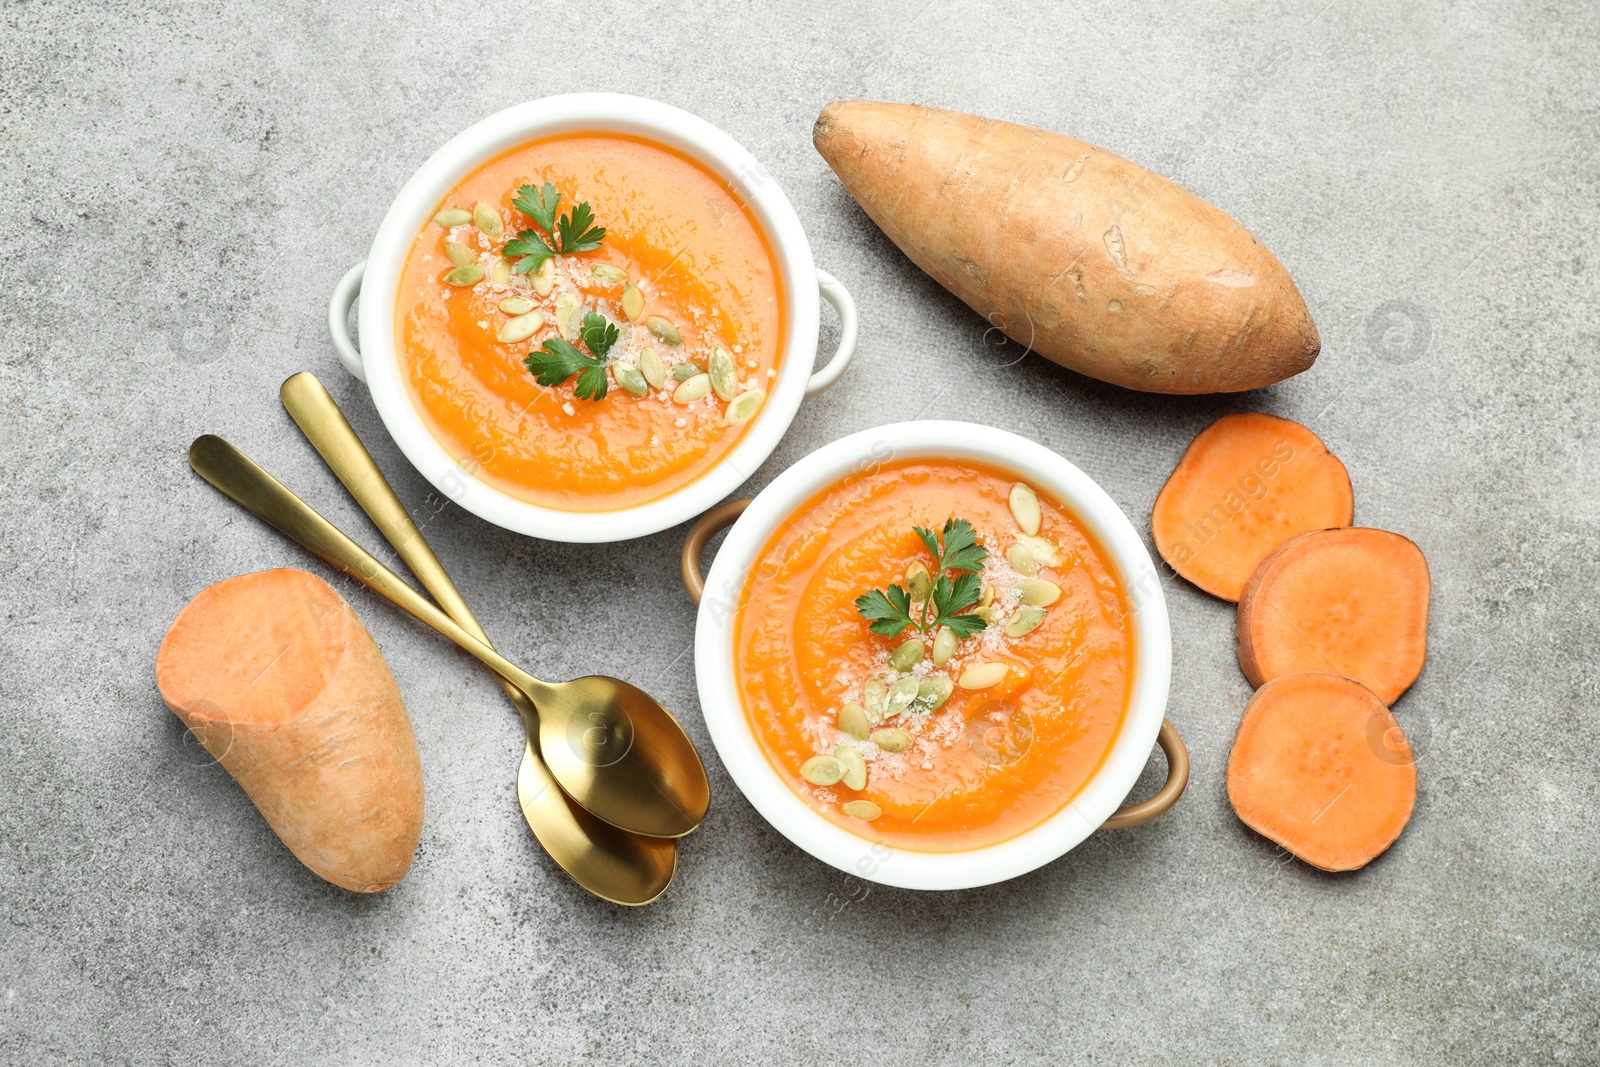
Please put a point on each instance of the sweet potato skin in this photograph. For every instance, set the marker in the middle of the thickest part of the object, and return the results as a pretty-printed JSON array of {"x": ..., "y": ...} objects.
[
  {"x": 1098, "y": 264},
  {"x": 340, "y": 779}
]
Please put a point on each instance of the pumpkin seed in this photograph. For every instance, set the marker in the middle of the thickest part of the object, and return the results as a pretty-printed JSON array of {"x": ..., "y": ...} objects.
[
  {"x": 891, "y": 739},
  {"x": 987, "y": 598},
  {"x": 516, "y": 305},
  {"x": 855, "y": 768},
  {"x": 500, "y": 272},
  {"x": 464, "y": 276},
  {"x": 451, "y": 217},
  {"x": 821, "y": 770},
  {"x": 918, "y": 584},
  {"x": 1025, "y": 621},
  {"x": 743, "y": 406},
  {"x": 1025, "y": 509},
  {"x": 907, "y": 655},
  {"x": 520, "y": 328},
  {"x": 1040, "y": 549},
  {"x": 632, "y": 303},
  {"x": 724, "y": 375},
  {"x": 459, "y": 254},
  {"x": 569, "y": 316},
  {"x": 696, "y": 388},
  {"x": 684, "y": 371},
  {"x": 628, "y": 376},
  {"x": 486, "y": 219},
  {"x": 606, "y": 274},
  {"x": 664, "y": 330},
  {"x": 983, "y": 675},
  {"x": 933, "y": 691},
  {"x": 944, "y": 646},
  {"x": 1040, "y": 592},
  {"x": 853, "y": 721},
  {"x": 901, "y": 694},
  {"x": 651, "y": 367},
  {"x": 875, "y": 695},
  {"x": 544, "y": 279},
  {"x": 1022, "y": 561},
  {"x": 865, "y": 810},
  {"x": 984, "y": 612}
]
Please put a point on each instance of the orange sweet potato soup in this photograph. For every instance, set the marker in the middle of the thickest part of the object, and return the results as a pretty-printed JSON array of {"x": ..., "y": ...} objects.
[
  {"x": 589, "y": 322},
  {"x": 933, "y": 655}
]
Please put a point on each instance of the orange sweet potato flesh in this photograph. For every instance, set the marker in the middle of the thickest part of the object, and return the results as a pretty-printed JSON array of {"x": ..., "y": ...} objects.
[
  {"x": 1247, "y": 483},
  {"x": 1321, "y": 767},
  {"x": 1097, "y": 263},
  {"x": 1351, "y": 601},
  {"x": 278, "y": 679}
]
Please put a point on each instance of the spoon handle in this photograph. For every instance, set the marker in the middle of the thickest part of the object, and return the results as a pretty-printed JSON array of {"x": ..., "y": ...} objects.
[
  {"x": 330, "y": 433},
  {"x": 319, "y": 418},
  {"x": 240, "y": 478}
]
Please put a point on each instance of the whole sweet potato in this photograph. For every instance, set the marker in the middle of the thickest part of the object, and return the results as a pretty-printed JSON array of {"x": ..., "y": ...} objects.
[{"x": 1093, "y": 261}]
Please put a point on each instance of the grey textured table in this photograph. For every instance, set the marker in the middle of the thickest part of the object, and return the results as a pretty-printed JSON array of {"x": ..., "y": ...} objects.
[{"x": 182, "y": 187}]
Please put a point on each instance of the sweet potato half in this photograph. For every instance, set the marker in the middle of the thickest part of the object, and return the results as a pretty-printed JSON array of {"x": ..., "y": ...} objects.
[
  {"x": 278, "y": 679},
  {"x": 1095, "y": 262}
]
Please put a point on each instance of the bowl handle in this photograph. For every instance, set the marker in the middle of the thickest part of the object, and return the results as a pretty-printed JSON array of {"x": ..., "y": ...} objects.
[
  {"x": 849, "y": 325},
  {"x": 1168, "y": 794},
  {"x": 695, "y": 543},
  {"x": 344, "y": 298}
]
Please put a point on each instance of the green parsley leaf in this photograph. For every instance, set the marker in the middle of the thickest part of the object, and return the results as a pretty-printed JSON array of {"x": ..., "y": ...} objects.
[
  {"x": 555, "y": 361},
  {"x": 538, "y": 204},
  {"x": 577, "y": 231},
  {"x": 599, "y": 334},
  {"x": 961, "y": 549},
  {"x": 965, "y": 625},
  {"x": 949, "y": 597},
  {"x": 573, "y": 232},
  {"x": 532, "y": 250},
  {"x": 591, "y": 383},
  {"x": 890, "y": 612}
]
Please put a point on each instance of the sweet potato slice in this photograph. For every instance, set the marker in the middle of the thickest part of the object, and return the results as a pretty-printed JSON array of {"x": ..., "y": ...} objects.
[
  {"x": 1321, "y": 767},
  {"x": 1352, "y": 602},
  {"x": 278, "y": 679},
  {"x": 1247, "y": 483}
]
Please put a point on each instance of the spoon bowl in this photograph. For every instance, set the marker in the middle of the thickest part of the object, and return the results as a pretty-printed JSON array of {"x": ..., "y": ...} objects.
[
  {"x": 601, "y": 734},
  {"x": 622, "y": 867}
]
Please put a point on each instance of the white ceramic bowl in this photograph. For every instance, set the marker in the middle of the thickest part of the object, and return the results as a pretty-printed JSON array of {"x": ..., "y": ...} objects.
[
  {"x": 377, "y": 363},
  {"x": 1097, "y": 801}
]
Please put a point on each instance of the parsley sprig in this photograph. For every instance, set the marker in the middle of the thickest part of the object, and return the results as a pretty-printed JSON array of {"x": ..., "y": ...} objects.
[
  {"x": 573, "y": 232},
  {"x": 891, "y": 610},
  {"x": 557, "y": 359}
]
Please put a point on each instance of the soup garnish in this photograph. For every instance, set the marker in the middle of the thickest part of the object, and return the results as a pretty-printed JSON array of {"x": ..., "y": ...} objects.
[{"x": 891, "y": 612}]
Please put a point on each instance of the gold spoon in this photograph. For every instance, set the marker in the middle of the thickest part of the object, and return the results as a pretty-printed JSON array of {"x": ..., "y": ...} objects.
[
  {"x": 614, "y": 750},
  {"x": 614, "y": 864}
]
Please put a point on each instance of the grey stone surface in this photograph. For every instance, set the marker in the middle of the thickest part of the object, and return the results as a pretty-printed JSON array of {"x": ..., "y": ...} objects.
[{"x": 183, "y": 185}]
